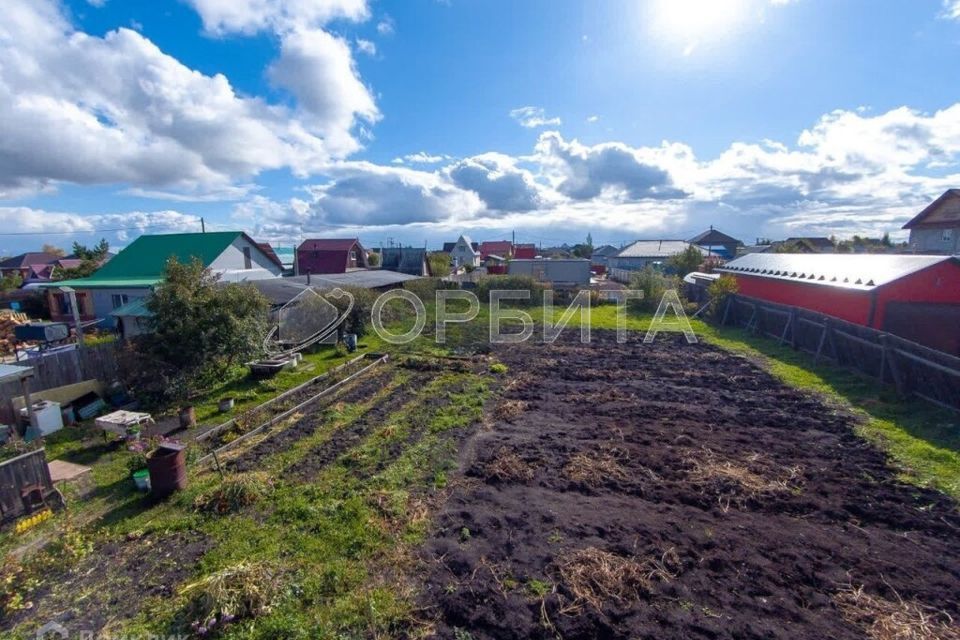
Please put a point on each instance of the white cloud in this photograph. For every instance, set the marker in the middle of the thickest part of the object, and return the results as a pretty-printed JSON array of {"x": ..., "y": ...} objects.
[
  {"x": 592, "y": 119},
  {"x": 116, "y": 109},
  {"x": 39, "y": 221},
  {"x": 386, "y": 26},
  {"x": 251, "y": 16},
  {"x": 97, "y": 3},
  {"x": 367, "y": 47},
  {"x": 421, "y": 157},
  {"x": 532, "y": 117},
  {"x": 497, "y": 180},
  {"x": 951, "y": 9}
]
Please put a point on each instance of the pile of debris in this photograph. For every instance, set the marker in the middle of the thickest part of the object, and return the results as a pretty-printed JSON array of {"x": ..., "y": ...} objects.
[{"x": 8, "y": 320}]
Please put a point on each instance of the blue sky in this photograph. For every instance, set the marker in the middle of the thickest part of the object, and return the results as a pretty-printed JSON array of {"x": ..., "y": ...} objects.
[{"x": 418, "y": 120}]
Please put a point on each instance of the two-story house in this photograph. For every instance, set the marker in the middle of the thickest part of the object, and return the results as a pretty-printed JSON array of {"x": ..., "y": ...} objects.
[{"x": 936, "y": 229}]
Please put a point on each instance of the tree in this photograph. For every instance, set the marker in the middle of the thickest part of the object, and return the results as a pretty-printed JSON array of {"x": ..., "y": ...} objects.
[
  {"x": 91, "y": 259},
  {"x": 96, "y": 254},
  {"x": 373, "y": 259},
  {"x": 53, "y": 250},
  {"x": 439, "y": 263},
  {"x": 10, "y": 282},
  {"x": 198, "y": 329},
  {"x": 686, "y": 261}
]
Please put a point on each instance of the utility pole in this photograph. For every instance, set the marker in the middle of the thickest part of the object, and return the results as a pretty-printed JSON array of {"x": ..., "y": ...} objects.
[{"x": 203, "y": 226}]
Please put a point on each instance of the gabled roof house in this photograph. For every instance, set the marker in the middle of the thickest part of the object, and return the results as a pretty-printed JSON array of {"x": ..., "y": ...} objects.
[
  {"x": 132, "y": 273},
  {"x": 330, "y": 255},
  {"x": 936, "y": 229}
]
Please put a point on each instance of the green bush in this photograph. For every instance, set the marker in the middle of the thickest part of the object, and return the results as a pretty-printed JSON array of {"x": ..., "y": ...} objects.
[
  {"x": 718, "y": 291},
  {"x": 653, "y": 284}
]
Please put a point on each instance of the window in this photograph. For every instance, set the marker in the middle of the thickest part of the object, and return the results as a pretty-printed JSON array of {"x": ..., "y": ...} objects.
[
  {"x": 63, "y": 300},
  {"x": 117, "y": 300},
  {"x": 947, "y": 235},
  {"x": 247, "y": 262},
  {"x": 353, "y": 256}
]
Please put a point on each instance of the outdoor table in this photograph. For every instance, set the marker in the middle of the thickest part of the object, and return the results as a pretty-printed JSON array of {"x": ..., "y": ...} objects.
[{"x": 119, "y": 421}]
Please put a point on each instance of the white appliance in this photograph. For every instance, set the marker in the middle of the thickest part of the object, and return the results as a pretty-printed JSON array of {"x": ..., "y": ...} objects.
[{"x": 46, "y": 417}]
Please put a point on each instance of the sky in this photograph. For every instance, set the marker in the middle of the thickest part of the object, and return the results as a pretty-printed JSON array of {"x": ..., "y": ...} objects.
[{"x": 414, "y": 121}]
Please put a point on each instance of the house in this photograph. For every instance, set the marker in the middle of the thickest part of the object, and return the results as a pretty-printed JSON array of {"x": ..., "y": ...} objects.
[
  {"x": 916, "y": 297},
  {"x": 936, "y": 229},
  {"x": 409, "y": 260},
  {"x": 502, "y": 248},
  {"x": 718, "y": 242},
  {"x": 561, "y": 272},
  {"x": 600, "y": 257},
  {"x": 448, "y": 246},
  {"x": 805, "y": 244},
  {"x": 37, "y": 267},
  {"x": 132, "y": 274},
  {"x": 525, "y": 251},
  {"x": 463, "y": 254},
  {"x": 330, "y": 256},
  {"x": 642, "y": 253}
]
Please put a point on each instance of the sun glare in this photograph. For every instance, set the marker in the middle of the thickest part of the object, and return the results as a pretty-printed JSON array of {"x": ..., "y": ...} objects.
[{"x": 690, "y": 24}]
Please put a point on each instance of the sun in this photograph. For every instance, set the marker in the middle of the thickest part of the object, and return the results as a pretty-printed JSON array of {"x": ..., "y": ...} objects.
[{"x": 691, "y": 24}]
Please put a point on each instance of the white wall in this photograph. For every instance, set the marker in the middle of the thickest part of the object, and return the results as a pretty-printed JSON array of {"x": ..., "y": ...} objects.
[{"x": 230, "y": 263}]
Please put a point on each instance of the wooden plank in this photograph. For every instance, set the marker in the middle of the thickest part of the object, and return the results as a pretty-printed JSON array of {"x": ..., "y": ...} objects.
[{"x": 927, "y": 363}]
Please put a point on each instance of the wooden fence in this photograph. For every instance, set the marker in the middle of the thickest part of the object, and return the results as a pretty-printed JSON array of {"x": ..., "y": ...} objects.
[
  {"x": 60, "y": 368},
  {"x": 912, "y": 368},
  {"x": 17, "y": 473}
]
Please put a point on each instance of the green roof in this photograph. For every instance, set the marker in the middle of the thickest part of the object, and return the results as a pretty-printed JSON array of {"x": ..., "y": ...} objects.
[
  {"x": 146, "y": 256},
  {"x": 142, "y": 262},
  {"x": 114, "y": 283}
]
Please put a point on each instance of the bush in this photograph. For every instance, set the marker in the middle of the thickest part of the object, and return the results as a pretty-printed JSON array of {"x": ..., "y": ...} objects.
[
  {"x": 718, "y": 290},
  {"x": 653, "y": 284},
  {"x": 511, "y": 283}
]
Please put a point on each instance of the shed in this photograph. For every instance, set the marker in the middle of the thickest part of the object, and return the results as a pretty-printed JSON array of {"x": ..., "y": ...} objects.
[
  {"x": 408, "y": 260},
  {"x": 916, "y": 297},
  {"x": 334, "y": 255},
  {"x": 558, "y": 271}
]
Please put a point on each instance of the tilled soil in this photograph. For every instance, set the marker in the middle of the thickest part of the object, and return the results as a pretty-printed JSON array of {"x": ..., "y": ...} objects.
[
  {"x": 364, "y": 388},
  {"x": 354, "y": 433},
  {"x": 677, "y": 491}
]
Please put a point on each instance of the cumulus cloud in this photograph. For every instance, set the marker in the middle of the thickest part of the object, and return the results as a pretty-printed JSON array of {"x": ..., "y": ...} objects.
[
  {"x": 362, "y": 193},
  {"x": 120, "y": 225},
  {"x": 367, "y": 47},
  {"x": 951, "y": 9},
  {"x": 584, "y": 173},
  {"x": 533, "y": 117},
  {"x": 116, "y": 109},
  {"x": 421, "y": 157},
  {"x": 497, "y": 180},
  {"x": 251, "y": 16},
  {"x": 386, "y": 26}
]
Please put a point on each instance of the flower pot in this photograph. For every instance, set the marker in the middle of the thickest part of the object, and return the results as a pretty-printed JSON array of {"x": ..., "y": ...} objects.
[
  {"x": 141, "y": 478},
  {"x": 225, "y": 404}
]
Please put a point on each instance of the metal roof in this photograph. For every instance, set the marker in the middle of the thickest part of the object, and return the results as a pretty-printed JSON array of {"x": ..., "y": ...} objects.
[
  {"x": 103, "y": 283},
  {"x": 283, "y": 290},
  {"x": 655, "y": 249},
  {"x": 848, "y": 271},
  {"x": 133, "y": 309}
]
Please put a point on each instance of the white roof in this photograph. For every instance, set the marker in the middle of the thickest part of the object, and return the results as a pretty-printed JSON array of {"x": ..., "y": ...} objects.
[
  {"x": 851, "y": 271},
  {"x": 10, "y": 372},
  {"x": 656, "y": 249}
]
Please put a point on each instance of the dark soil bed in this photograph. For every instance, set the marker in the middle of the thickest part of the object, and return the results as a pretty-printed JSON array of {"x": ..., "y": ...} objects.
[
  {"x": 357, "y": 391},
  {"x": 113, "y": 583},
  {"x": 677, "y": 491}
]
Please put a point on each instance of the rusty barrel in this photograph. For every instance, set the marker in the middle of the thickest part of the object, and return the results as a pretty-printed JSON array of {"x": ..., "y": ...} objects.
[
  {"x": 188, "y": 417},
  {"x": 168, "y": 469}
]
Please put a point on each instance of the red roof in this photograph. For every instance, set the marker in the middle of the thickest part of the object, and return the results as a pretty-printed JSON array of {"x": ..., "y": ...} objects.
[
  {"x": 525, "y": 251},
  {"x": 502, "y": 248},
  {"x": 328, "y": 244}
]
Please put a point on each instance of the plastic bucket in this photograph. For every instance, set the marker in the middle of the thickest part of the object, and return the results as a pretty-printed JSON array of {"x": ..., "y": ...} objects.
[
  {"x": 142, "y": 479},
  {"x": 350, "y": 340}
]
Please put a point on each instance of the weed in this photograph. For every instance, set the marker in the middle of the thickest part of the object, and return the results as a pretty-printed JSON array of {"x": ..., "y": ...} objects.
[
  {"x": 539, "y": 588},
  {"x": 246, "y": 590},
  {"x": 235, "y": 493},
  {"x": 901, "y": 620},
  {"x": 498, "y": 368},
  {"x": 465, "y": 534}
]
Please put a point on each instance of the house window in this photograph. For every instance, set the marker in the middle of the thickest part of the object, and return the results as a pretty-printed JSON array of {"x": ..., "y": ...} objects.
[
  {"x": 947, "y": 235},
  {"x": 63, "y": 301},
  {"x": 353, "y": 256},
  {"x": 117, "y": 300},
  {"x": 247, "y": 262}
]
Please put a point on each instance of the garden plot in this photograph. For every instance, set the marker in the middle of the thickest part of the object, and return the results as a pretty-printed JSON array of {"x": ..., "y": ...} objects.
[{"x": 677, "y": 491}]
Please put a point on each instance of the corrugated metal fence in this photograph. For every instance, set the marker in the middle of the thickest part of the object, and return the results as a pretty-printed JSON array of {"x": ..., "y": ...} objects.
[
  {"x": 912, "y": 368},
  {"x": 99, "y": 362}
]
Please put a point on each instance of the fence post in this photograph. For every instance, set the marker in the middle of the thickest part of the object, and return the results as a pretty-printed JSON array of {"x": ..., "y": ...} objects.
[
  {"x": 794, "y": 321},
  {"x": 823, "y": 339},
  {"x": 726, "y": 310},
  {"x": 889, "y": 356}
]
